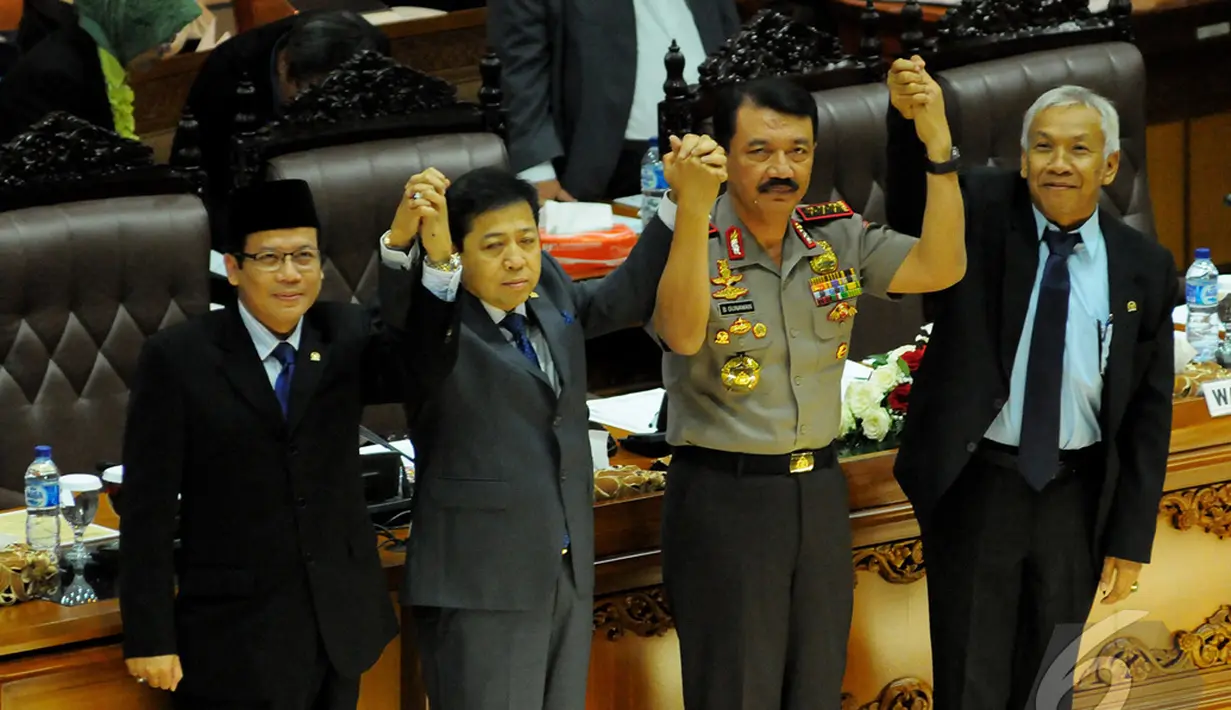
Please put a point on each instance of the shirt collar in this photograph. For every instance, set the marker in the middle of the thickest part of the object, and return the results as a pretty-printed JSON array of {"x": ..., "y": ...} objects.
[
  {"x": 264, "y": 339},
  {"x": 1090, "y": 232},
  {"x": 497, "y": 314}
]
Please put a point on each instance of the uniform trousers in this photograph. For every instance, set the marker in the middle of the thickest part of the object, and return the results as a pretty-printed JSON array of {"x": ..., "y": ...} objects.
[
  {"x": 1011, "y": 578},
  {"x": 324, "y": 690},
  {"x": 474, "y": 659},
  {"x": 757, "y": 570}
]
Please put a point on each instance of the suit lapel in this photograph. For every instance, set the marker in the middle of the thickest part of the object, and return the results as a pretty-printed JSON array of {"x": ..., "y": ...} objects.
[
  {"x": 477, "y": 317},
  {"x": 551, "y": 322},
  {"x": 243, "y": 368},
  {"x": 310, "y": 361},
  {"x": 1125, "y": 301},
  {"x": 1021, "y": 266}
]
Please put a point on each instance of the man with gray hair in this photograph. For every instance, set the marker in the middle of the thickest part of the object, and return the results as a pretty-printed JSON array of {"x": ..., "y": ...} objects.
[{"x": 1036, "y": 445}]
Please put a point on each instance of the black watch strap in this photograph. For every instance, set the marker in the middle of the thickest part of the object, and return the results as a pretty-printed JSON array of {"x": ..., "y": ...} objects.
[{"x": 949, "y": 166}]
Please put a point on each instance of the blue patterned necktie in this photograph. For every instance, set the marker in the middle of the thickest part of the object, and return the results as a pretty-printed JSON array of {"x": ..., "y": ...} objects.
[
  {"x": 285, "y": 354},
  {"x": 1039, "y": 450},
  {"x": 515, "y": 323}
]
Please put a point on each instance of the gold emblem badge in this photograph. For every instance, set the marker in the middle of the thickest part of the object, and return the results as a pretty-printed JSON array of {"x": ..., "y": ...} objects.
[
  {"x": 727, "y": 280},
  {"x": 825, "y": 262},
  {"x": 741, "y": 373},
  {"x": 1132, "y": 306},
  {"x": 722, "y": 337},
  {"x": 534, "y": 294},
  {"x": 314, "y": 356},
  {"x": 842, "y": 312},
  {"x": 843, "y": 349},
  {"x": 759, "y": 331},
  {"x": 741, "y": 326}
]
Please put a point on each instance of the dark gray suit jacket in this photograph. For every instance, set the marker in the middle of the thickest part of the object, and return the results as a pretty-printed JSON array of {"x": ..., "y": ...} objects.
[
  {"x": 502, "y": 463},
  {"x": 569, "y": 72}
]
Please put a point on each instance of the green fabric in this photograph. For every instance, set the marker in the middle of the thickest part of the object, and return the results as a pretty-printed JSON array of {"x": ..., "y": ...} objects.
[
  {"x": 120, "y": 94},
  {"x": 128, "y": 28}
]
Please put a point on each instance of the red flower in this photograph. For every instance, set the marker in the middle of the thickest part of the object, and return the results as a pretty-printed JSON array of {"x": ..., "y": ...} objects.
[
  {"x": 899, "y": 398},
  {"x": 914, "y": 357}
]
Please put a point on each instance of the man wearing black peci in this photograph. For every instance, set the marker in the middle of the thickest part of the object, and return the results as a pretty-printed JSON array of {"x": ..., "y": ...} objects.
[{"x": 1036, "y": 445}]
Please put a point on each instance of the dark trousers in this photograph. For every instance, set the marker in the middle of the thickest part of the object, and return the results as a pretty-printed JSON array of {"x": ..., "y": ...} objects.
[
  {"x": 757, "y": 569},
  {"x": 325, "y": 690},
  {"x": 509, "y": 660},
  {"x": 1011, "y": 578}
]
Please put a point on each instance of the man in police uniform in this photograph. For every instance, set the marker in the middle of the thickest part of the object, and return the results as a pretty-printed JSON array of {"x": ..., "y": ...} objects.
[{"x": 756, "y": 539}]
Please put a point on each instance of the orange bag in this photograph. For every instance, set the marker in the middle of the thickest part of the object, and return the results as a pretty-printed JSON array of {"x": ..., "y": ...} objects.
[{"x": 589, "y": 255}]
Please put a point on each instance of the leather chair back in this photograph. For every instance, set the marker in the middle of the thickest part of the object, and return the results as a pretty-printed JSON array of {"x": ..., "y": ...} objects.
[
  {"x": 850, "y": 166},
  {"x": 987, "y": 102},
  {"x": 357, "y": 188},
  {"x": 82, "y": 285}
]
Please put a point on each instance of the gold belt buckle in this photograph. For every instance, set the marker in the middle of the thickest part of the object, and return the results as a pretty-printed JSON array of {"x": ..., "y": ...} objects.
[{"x": 802, "y": 462}]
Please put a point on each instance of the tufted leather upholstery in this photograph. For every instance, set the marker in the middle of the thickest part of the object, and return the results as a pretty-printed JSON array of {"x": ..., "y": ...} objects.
[
  {"x": 987, "y": 102},
  {"x": 850, "y": 166},
  {"x": 81, "y": 287},
  {"x": 357, "y": 188}
]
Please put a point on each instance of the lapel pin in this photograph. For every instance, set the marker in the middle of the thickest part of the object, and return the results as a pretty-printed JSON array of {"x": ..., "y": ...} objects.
[
  {"x": 1132, "y": 306},
  {"x": 534, "y": 294},
  {"x": 314, "y": 356}
]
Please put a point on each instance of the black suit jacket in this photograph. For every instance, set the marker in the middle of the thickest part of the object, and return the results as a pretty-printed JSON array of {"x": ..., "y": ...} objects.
[
  {"x": 570, "y": 70},
  {"x": 503, "y": 465},
  {"x": 62, "y": 72},
  {"x": 214, "y": 103},
  {"x": 277, "y": 548},
  {"x": 963, "y": 380}
]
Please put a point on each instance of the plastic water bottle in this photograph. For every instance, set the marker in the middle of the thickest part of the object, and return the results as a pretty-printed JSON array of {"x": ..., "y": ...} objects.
[
  {"x": 1203, "y": 324},
  {"x": 653, "y": 182},
  {"x": 43, "y": 501}
]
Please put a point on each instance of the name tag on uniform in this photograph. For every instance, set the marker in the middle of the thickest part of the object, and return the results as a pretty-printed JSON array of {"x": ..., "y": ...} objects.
[{"x": 738, "y": 308}]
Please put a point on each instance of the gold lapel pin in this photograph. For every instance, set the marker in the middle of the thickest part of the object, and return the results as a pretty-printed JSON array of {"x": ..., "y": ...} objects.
[
  {"x": 1132, "y": 306},
  {"x": 534, "y": 294},
  {"x": 314, "y": 356}
]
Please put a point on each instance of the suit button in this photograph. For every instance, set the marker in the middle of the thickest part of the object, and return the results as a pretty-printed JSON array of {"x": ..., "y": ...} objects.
[
  {"x": 556, "y": 422},
  {"x": 448, "y": 335},
  {"x": 293, "y": 450},
  {"x": 798, "y": 380},
  {"x": 971, "y": 447},
  {"x": 307, "y": 557},
  {"x": 302, "y": 502}
]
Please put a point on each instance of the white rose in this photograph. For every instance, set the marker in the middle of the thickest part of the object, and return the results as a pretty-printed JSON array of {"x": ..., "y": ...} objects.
[
  {"x": 848, "y": 422},
  {"x": 886, "y": 377},
  {"x": 876, "y": 424},
  {"x": 897, "y": 354},
  {"x": 862, "y": 397}
]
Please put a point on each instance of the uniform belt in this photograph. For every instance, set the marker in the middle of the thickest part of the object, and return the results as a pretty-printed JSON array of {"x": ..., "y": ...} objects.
[
  {"x": 759, "y": 464},
  {"x": 1072, "y": 461}
]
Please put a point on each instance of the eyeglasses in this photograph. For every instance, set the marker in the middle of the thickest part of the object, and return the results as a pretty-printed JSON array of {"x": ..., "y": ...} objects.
[{"x": 305, "y": 259}]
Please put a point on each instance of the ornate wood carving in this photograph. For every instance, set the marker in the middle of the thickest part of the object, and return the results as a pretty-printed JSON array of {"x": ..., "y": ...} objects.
[
  {"x": 871, "y": 49},
  {"x": 491, "y": 93},
  {"x": 643, "y": 612},
  {"x": 896, "y": 563},
  {"x": 772, "y": 45},
  {"x": 1208, "y": 508},
  {"x": 366, "y": 86},
  {"x": 901, "y": 694},
  {"x": 1207, "y": 646},
  {"x": 1002, "y": 20},
  {"x": 675, "y": 111}
]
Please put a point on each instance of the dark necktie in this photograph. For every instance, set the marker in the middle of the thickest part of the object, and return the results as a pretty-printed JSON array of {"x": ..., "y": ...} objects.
[
  {"x": 1039, "y": 451},
  {"x": 515, "y": 323},
  {"x": 285, "y": 354}
]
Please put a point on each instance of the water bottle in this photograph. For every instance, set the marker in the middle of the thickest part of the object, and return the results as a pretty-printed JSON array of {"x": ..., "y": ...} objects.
[
  {"x": 653, "y": 183},
  {"x": 43, "y": 501},
  {"x": 1203, "y": 324}
]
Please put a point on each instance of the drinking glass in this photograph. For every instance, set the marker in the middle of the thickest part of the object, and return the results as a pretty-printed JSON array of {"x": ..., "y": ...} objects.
[{"x": 79, "y": 494}]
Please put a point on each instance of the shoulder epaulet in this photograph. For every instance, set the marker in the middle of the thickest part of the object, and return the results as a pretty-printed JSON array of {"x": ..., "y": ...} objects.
[
  {"x": 823, "y": 210},
  {"x": 713, "y": 231}
]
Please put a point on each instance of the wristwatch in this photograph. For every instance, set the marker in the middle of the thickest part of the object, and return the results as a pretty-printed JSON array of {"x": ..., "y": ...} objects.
[
  {"x": 453, "y": 263},
  {"x": 949, "y": 166}
]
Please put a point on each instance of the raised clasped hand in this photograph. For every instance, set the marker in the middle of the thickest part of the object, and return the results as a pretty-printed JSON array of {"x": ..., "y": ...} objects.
[
  {"x": 695, "y": 169},
  {"x": 423, "y": 212},
  {"x": 918, "y": 97}
]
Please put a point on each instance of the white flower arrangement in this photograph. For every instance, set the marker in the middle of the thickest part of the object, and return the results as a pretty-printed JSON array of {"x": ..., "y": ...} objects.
[{"x": 874, "y": 409}]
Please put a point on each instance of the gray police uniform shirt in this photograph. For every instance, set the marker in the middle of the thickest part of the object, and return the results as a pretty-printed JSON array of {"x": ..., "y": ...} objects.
[{"x": 794, "y": 322}]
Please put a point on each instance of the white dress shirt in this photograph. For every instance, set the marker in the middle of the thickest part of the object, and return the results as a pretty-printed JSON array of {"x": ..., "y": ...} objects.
[{"x": 658, "y": 22}]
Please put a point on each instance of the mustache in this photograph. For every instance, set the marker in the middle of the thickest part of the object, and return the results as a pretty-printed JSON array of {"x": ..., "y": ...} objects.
[{"x": 777, "y": 182}]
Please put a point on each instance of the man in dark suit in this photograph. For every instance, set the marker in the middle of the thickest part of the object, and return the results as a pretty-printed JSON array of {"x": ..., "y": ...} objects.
[
  {"x": 583, "y": 80},
  {"x": 1036, "y": 445},
  {"x": 249, "y": 416},
  {"x": 501, "y": 563},
  {"x": 280, "y": 59}
]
